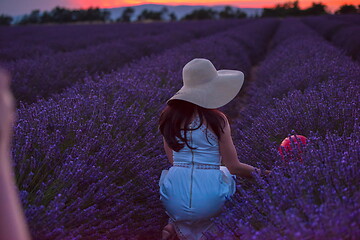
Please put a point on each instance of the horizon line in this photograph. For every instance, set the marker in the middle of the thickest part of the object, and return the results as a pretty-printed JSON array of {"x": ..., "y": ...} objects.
[{"x": 329, "y": 7}]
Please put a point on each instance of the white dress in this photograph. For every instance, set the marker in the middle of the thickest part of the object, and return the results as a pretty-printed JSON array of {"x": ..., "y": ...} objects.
[{"x": 196, "y": 187}]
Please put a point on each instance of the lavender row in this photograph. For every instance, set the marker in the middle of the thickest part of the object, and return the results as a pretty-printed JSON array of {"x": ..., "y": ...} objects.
[
  {"x": 348, "y": 39},
  {"x": 317, "y": 200},
  {"x": 343, "y": 34},
  {"x": 304, "y": 86},
  {"x": 350, "y": 18},
  {"x": 43, "y": 76},
  {"x": 22, "y": 42},
  {"x": 256, "y": 44},
  {"x": 299, "y": 64},
  {"x": 88, "y": 160}
]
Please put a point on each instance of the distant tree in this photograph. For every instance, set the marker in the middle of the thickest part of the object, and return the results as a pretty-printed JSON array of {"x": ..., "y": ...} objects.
[
  {"x": 33, "y": 18},
  {"x": 166, "y": 15},
  {"x": 316, "y": 9},
  {"x": 257, "y": 15},
  {"x": 95, "y": 14},
  {"x": 277, "y": 11},
  {"x": 79, "y": 15},
  {"x": 347, "y": 9},
  {"x": 283, "y": 10},
  {"x": 228, "y": 13},
  {"x": 240, "y": 14},
  {"x": 150, "y": 15},
  {"x": 172, "y": 16},
  {"x": 294, "y": 9},
  {"x": 126, "y": 15},
  {"x": 164, "y": 11},
  {"x": 201, "y": 14},
  {"x": 61, "y": 15},
  {"x": 46, "y": 17},
  {"x": 5, "y": 20}
]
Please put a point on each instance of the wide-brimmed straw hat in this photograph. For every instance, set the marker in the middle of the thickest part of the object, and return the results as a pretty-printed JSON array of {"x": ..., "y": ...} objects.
[{"x": 207, "y": 87}]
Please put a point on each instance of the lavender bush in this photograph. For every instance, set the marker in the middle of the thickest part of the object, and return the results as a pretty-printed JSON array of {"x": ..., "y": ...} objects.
[
  {"x": 324, "y": 25},
  {"x": 88, "y": 160},
  {"x": 342, "y": 33},
  {"x": 299, "y": 60},
  {"x": 348, "y": 39},
  {"x": 19, "y": 42},
  {"x": 29, "y": 42},
  {"x": 351, "y": 18},
  {"x": 316, "y": 199},
  {"x": 292, "y": 28}
]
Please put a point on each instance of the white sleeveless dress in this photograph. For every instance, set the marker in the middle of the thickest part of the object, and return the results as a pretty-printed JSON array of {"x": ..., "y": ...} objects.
[{"x": 196, "y": 187}]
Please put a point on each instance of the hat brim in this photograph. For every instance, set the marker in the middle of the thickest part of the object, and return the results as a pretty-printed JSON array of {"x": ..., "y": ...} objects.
[{"x": 215, "y": 93}]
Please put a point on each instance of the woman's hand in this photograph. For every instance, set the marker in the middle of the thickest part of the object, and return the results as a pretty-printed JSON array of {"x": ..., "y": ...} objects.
[
  {"x": 6, "y": 110},
  {"x": 12, "y": 219}
]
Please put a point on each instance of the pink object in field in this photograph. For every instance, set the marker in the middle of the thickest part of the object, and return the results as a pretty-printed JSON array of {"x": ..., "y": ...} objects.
[{"x": 286, "y": 145}]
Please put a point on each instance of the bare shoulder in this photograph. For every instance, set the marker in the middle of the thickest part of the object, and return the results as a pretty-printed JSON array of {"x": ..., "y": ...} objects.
[{"x": 225, "y": 119}]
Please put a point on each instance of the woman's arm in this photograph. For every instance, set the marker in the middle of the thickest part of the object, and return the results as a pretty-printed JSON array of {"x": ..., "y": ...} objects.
[
  {"x": 168, "y": 151},
  {"x": 12, "y": 219},
  {"x": 230, "y": 158}
]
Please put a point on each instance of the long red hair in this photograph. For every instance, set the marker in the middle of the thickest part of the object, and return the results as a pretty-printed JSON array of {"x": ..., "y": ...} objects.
[{"x": 178, "y": 112}]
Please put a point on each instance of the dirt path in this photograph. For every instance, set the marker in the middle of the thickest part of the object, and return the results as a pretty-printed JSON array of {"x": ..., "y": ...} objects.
[{"x": 242, "y": 99}]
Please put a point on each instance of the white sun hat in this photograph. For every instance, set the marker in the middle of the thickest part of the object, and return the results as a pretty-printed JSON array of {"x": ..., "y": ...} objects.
[{"x": 207, "y": 87}]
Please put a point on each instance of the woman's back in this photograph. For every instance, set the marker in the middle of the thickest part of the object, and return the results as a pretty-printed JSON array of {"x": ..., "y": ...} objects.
[{"x": 204, "y": 146}]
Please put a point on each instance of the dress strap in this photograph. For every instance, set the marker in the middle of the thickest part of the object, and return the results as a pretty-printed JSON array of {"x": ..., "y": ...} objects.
[{"x": 195, "y": 124}]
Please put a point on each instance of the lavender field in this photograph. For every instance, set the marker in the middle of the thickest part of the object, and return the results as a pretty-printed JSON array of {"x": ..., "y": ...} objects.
[{"x": 88, "y": 155}]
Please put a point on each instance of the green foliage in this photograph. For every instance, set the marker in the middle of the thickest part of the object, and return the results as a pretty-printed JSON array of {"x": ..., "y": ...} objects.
[
  {"x": 64, "y": 15},
  {"x": 5, "y": 20}
]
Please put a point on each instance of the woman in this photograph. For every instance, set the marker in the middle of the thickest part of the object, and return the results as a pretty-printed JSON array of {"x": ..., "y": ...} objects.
[{"x": 197, "y": 139}]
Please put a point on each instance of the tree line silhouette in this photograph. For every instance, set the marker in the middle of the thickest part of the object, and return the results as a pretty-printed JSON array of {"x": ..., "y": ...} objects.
[
  {"x": 60, "y": 15},
  {"x": 292, "y": 9},
  {"x": 64, "y": 15},
  {"x": 197, "y": 14}
]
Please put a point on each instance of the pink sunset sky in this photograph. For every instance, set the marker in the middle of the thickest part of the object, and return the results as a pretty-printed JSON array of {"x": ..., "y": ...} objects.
[{"x": 17, "y": 7}]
